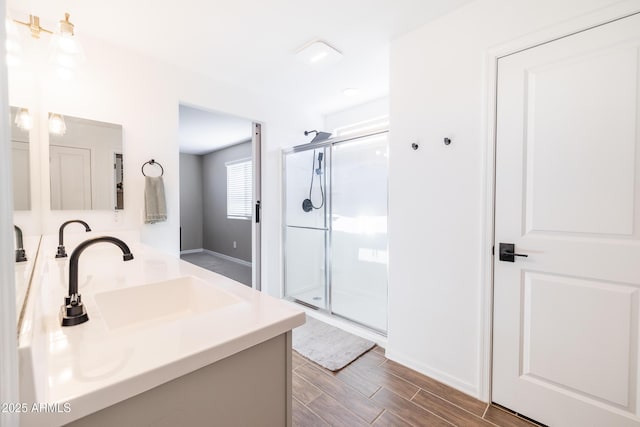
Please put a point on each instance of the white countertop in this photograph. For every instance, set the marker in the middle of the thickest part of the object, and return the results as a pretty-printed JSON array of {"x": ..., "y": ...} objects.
[{"x": 92, "y": 367}]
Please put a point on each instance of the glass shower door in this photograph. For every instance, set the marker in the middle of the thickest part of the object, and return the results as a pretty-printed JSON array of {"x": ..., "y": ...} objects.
[
  {"x": 306, "y": 231},
  {"x": 359, "y": 230}
]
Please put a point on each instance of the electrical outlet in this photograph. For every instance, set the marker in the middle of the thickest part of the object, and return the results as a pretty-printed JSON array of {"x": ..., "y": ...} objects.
[{"x": 235, "y": 245}]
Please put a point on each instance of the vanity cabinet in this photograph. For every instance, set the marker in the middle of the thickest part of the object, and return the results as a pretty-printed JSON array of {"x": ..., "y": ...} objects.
[
  {"x": 249, "y": 388},
  {"x": 219, "y": 357}
]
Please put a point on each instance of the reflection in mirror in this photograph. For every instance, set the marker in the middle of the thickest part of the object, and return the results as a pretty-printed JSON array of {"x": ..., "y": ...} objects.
[
  {"x": 85, "y": 160},
  {"x": 119, "y": 181},
  {"x": 20, "y": 159}
]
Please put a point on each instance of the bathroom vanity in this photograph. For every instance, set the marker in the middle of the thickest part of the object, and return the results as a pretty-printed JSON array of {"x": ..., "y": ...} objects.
[{"x": 167, "y": 343}]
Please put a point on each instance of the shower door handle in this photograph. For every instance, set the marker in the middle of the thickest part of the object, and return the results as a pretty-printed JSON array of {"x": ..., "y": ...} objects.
[{"x": 257, "y": 211}]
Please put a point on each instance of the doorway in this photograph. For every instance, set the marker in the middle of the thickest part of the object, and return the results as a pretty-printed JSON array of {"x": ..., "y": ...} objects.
[
  {"x": 567, "y": 229},
  {"x": 220, "y": 193}
]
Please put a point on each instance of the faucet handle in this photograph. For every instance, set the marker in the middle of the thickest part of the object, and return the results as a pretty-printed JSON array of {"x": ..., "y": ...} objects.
[
  {"x": 21, "y": 255},
  {"x": 73, "y": 311},
  {"x": 62, "y": 253}
]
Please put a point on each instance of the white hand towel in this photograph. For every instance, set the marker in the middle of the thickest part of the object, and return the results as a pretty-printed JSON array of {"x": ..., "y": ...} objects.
[{"x": 155, "y": 205}]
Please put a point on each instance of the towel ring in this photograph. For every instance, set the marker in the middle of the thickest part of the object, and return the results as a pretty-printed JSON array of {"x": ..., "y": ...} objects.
[{"x": 152, "y": 162}]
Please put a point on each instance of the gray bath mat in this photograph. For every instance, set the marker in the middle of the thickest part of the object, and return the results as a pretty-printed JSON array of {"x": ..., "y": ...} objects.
[{"x": 328, "y": 346}]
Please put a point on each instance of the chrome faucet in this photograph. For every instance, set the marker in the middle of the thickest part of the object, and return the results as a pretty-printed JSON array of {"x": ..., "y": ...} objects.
[
  {"x": 73, "y": 311},
  {"x": 62, "y": 253},
  {"x": 21, "y": 255}
]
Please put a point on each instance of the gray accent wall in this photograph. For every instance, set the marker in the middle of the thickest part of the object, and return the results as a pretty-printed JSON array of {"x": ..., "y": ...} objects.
[
  {"x": 219, "y": 231},
  {"x": 191, "y": 203}
]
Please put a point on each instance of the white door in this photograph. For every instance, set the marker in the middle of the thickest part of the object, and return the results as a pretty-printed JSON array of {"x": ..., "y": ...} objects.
[
  {"x": 70, "y": 177},
  {"x": 568, "y": 196}
]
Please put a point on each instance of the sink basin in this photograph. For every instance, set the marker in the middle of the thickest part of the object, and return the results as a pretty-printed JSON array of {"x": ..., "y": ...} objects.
[{"x": 160, "y": 301}]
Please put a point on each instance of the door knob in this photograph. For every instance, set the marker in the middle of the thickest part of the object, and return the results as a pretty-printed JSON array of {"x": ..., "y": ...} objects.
[{"x": 507, "y": 252}]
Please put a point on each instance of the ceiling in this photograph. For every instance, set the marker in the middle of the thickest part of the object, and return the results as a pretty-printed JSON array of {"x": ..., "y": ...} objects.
[
  {"x": 200, "y": 132},
  {"x": 252, "y": 43}
]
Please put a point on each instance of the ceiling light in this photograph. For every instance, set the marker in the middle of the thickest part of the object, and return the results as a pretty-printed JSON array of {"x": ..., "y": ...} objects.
[
  {"x": 24, "y": 120},
  {"x": 57, "y": 126},
  {"x": 318, "y": 51},
  {"x": 318, "y": 57},
  {"x": 350, "y": 91}
]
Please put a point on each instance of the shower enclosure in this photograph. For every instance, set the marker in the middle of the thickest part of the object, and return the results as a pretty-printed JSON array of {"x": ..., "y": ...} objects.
[{"x": 335, "y": 227}]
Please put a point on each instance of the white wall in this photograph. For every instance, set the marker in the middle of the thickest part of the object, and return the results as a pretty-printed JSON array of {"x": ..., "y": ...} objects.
[
  {"x": 440, "y": 87},
  {"x": 227, "y": 236},
  {"x": 366, "y": 111},
  {"x": 119, "y": 86},
  {"x": 8, "y": 349}
]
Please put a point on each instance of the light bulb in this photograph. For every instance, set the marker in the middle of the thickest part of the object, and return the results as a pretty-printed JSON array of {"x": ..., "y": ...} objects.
[
  {"x": 67, "y": 44},
  {"x": 24, "y": 120},
  {"x": 13, "y": 46},
  {"x": 66, "y": 51},
  {"x": 65, "y": 73},
  {"x": 14, "y": 49},
  {"x": 66, "y": 61},
  {"x": 57, "y": 125},
  {"x": 13, "y": 60}
]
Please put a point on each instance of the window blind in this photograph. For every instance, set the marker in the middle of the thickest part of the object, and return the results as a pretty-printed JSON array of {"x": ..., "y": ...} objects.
[{"x": 239, "y": 189}]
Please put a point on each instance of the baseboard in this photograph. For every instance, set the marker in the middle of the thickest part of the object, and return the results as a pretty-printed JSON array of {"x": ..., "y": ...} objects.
[
  {"x": 191, "y": 251},
  {"x": 436, "y": 374},
  {"x": 228, "y": 258}
]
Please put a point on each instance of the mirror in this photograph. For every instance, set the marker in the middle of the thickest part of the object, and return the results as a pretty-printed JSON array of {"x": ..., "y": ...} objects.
[
  {"x": 85, "y": 164},
  {"x": 21, "y": 170}
]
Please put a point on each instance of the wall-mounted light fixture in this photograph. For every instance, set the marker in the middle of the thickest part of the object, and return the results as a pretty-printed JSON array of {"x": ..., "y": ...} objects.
[
  {"x": 66, "y": 50},
  {"x": 23, "y": 119},
  {"x": 34, "y": 26},
  {"x": 57, "y": 126}
]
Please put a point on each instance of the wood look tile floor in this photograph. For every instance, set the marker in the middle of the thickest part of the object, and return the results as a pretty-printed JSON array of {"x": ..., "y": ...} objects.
[{"x": 376, "y": 391}]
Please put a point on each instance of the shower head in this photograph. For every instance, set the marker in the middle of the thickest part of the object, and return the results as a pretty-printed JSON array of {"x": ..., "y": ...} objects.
[{"x": 320, "y": 136}]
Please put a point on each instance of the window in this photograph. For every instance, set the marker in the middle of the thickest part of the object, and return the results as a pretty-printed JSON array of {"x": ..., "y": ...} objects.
[{"x": 239, "y": 189}]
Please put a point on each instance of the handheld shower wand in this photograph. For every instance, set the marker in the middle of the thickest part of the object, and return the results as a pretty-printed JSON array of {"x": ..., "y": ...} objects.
[
  {"x": 307, "y": 204},
  {"x": 319, "y": 170}
]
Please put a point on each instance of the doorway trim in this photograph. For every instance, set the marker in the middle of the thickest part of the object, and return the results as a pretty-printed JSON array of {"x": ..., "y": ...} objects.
[
  {"x": 547, "y": 35},
  {"x": 256, "y": 159},
  {"x": 256, "y": 226}
]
